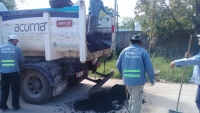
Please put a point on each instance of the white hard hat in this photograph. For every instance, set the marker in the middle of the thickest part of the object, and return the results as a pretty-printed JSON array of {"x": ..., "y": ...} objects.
[
  {"x": 13, "y": 37},
  {"x": 198, "y": 35}
]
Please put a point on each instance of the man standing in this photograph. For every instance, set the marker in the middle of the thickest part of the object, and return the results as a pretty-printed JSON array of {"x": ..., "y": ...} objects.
[
  {"x": 95, "y": 7},
  {"x": 133, "y": 63},
  {"x": 10, "y": 57},
  {"x": 188, "y": 61}
]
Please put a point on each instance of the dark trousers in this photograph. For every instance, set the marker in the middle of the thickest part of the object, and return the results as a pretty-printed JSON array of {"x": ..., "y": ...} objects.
[{"x": 7, "y": 80}]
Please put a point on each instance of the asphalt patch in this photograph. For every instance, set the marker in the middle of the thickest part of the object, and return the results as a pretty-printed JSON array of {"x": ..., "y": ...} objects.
[{"x": 103, "y": 101}]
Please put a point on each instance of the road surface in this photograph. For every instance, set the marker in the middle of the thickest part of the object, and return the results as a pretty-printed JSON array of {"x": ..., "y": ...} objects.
[{"x": 159, "y": 99}]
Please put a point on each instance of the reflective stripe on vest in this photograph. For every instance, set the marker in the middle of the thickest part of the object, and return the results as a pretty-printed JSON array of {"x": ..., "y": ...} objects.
[
  {"x": 8, "y": 62},
  {"x": 132, "y": 73}
]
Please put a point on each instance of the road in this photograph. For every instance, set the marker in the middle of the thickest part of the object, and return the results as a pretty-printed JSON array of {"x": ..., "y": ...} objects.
[{"x": 159, "y": 99}]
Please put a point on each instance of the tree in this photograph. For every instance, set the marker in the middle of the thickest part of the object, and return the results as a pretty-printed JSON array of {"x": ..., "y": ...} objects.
[
  {"x": 128, "y": 23},
  {"x": 11, "y": 4},
  {"x": 165, "y": 20}
]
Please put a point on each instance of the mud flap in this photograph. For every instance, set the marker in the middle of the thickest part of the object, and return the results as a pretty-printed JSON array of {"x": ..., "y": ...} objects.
[{"x": 99, "y": 82}]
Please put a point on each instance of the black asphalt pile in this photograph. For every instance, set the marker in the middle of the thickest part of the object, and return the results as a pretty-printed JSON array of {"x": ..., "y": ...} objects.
[{"x": 105, "y": 100}]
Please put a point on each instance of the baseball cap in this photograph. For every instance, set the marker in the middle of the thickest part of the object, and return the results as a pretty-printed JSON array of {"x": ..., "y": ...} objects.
[{"x": 13, "y": 37}]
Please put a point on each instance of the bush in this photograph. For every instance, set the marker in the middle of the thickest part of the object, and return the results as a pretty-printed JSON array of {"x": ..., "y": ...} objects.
[{"x": 118, "y": 51}]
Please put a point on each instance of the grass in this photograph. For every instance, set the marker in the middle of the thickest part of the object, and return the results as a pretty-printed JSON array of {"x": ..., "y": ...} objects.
[
  {"x": 109, "y": 66},
  {"x": 166, "y": 73}
]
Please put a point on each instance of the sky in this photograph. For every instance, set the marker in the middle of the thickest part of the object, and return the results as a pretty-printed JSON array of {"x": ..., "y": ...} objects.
[{"x": 125, "y": 8}]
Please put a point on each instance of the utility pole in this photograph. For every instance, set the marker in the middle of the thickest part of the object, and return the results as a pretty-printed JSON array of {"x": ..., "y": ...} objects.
[
  {"x": 116, "y": 14},
  {"x": 115, "y": 17},
  {"x": 115, "y": 7}
]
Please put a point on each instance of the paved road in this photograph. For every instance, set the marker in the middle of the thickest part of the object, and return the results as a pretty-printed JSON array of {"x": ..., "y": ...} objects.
[
  {"x": 163, "y": 96},
  {"x": 159, "y": 99}
]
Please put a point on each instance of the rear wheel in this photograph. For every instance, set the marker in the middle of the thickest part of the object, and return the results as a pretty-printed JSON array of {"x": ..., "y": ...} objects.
[{"x": 35, "y": 88}]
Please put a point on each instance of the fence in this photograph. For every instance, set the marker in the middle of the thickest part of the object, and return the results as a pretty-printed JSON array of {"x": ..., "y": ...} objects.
[
  {"x": 123, "y": 38},
  {"x": 173, "y": 48}
]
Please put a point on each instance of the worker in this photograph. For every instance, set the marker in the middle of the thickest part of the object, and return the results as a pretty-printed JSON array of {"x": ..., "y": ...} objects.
[
  {"x": 95, "y": 7},
  {"x": 60, "y": 3},
  {"x": 188, "y": 61},
  {"x": 133, "y": 63},
  {"x": 10, "y": 57}
]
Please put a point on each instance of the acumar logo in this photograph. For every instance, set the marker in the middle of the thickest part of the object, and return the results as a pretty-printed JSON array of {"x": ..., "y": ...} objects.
[{"x": 30, "y": 27}]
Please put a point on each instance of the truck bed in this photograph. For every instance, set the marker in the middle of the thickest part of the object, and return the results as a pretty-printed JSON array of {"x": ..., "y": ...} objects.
[
  {"x": 57, "y": 33},
  {"x": 98, "y": 42}
]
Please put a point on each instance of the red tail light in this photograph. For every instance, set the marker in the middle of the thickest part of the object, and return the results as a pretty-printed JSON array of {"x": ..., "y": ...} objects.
[{"x": 113, "y": 29}]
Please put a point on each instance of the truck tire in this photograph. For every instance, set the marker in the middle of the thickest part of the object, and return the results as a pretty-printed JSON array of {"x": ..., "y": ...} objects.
[
  {"x": 74, "y": 80},
  {"x": 35, "y": 88}
]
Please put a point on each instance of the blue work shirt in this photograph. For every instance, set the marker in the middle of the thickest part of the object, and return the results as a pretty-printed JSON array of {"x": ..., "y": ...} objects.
[
  {"x": 95, "y": 8},
  {"x": 133, "y": 63},
  {"x": 10, "y": 58},
  {"x": 195, "y": 60}
]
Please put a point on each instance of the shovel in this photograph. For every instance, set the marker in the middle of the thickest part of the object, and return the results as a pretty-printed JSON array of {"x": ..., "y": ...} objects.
[{"x": 176, "y": 111}]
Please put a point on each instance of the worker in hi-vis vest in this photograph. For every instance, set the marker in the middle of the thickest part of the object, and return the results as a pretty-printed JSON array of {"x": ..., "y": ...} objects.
[
  {"x": 133, "y": 64},
  {"x": 10, "y": 57}
]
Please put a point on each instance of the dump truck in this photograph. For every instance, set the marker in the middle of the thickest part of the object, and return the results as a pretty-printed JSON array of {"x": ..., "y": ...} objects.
[{"x": 57, "y": 50}]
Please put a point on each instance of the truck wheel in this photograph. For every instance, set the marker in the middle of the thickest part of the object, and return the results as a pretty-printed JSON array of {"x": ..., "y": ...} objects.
[
  {"x": 74, "y": 80},
  {"x": 35, "y": 88}
]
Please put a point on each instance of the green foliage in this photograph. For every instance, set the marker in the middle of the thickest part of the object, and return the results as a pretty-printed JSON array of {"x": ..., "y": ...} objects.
[
  {"x": 168, "y": 74},
  {"x": 163, "y": 64},
  {"x": 109, "y": 66},
  {"x": 165, "y": 21},
  {"x": 111, "y": 10},
  {"x": 128, "y": 23},
  {"x": 118, "y": 51},
  {"x": 102, "y": 14},
  {"x": 11, "y": 4}
]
